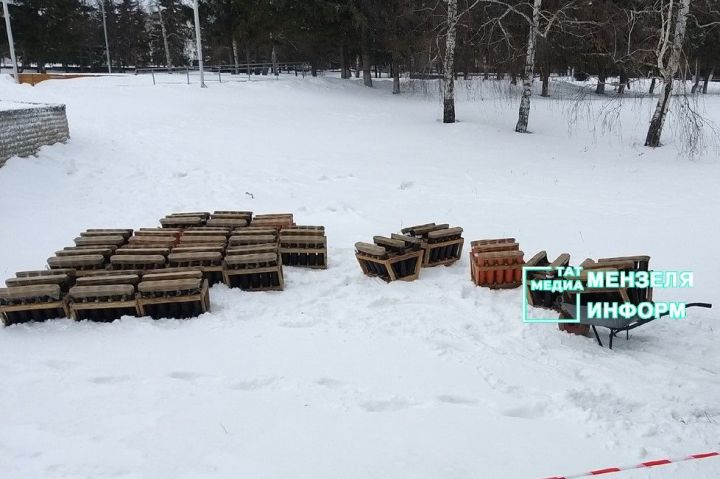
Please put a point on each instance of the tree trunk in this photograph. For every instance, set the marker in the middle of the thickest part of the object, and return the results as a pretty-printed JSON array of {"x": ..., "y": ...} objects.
[
  {"x": 396, "y": 78},
  {"x": 658, "y": 118},
  {"x": 236, "y": 57},
  {"x": 524, "y": 112},
  {"x": 545, "y": 73},
  {"x": 247, "y": 60},
  {"x": 449, "y": 64},
  {"x": 365, "y": 55},
  {"x": 273, "y": 58},
  {"x": 696, "y": 82},
  {"x": 486, "y": 75},
  {"x": 357, "y": 66},
  {"x": 652, "y": 86},
  {"x": 600, "y": 90},
  {"x": 708, "y": 76},
  {"x": 343, "y": 63},
  {"x": 168, "y": 59},
  {"x": 623, "y": 82}
]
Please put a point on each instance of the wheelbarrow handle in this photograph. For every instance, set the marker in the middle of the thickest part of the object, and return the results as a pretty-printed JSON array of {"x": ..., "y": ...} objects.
[
  {"x": 690, "y": 305},
  {"x": 698, "y": 305}
]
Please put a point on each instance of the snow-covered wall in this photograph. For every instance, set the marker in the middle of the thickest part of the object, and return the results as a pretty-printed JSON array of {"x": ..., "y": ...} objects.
[{"x": 25, "y": 128}]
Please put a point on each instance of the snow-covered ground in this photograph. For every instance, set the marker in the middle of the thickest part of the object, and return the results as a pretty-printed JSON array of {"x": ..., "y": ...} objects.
[{"x": 341, "y": 375}]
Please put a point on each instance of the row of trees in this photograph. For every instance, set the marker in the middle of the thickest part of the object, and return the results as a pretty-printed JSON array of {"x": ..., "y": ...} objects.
[{"x": 621, "y": 40}]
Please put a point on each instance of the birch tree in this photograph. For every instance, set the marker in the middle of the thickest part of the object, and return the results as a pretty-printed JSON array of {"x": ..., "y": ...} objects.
[
  {"x": 449, "y": 63},
  {"x": 668, "y": 65},
  {"x": 168, "y": 60},
  {"x": 529, "y": 72}
]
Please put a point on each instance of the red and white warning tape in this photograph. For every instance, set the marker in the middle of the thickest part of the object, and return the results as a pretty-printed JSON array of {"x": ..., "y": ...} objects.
[{"x": 659, "y": 462}]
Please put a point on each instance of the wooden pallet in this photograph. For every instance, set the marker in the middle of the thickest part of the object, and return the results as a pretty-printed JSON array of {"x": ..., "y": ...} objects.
[
  {"x": 308, "y": 250},
  {"x": 32, "y": 303},
  {"x": 254, "y": 271},
  {"x": 209, "y": 262},
  {"x": 173, "y": 295},
  {"x": 230, "y": 219},
  {"x": 104, "y": 299},
  {"x": 389, "y": 265}
]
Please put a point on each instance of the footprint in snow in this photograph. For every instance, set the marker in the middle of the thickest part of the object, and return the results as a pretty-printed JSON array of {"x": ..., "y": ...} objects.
[
  {"x": 109, "y": 379},
  {"x": 531, "y": 411},
  {"x": 387, "y": 405},
  {"x": 450, "y": 399},
  {"x": 330, "y": 382},
  {"x": 254, "y": 384},
  {"x": 186, "y": 375},
  {"x": 406, "y": 185}
]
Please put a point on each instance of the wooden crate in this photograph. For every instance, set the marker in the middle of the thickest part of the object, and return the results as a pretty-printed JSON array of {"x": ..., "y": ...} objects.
[
  {"x": 81, "y": 263},
  {"x": 191, "y": 240},
  {"x": 185, "y": 220},
  {"x": 443, "y": 247},
  {"x": 146, "y": 240},
  {"x": 142, "y": 262},
  {"x": 252, "y": 248},
  {"x": 254, "y": 271},
  {"x": 176, "y": 295},
  {"x": 230, "y": 219},
  {"x": 501, "y": 269},
  {"x": 124, "y": 232},
  {"x": 32, "y": 303},
  {"x": 490, "y": 246},
  {"x": 251, "y": 239},
  {"x": 233, "y": 214},
  {"x": 305, "y": 247},
  {"x": 143, "y": 250},
  {"x": 103, "y": 298},
  {"x": 209, "y": 262},
  {"x": 441, "y": 244},
  {"x": 95, "y": 241},
  {"x": 228, "y": 222},
  {"x": 65, "y": 281},
  {"x": 199, "y": 248},
  {"x": 390, "y": 264},
  {"x": 277, "y": 221},
  {"x": 105, "y": 251}
]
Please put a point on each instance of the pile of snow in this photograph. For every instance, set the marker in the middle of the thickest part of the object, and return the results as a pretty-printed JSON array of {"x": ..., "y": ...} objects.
[{"x": 342, "y": 375}]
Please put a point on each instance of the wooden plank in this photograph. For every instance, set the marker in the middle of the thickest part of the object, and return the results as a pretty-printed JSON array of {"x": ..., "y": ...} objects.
[
  {"x": 99, "y": 240},
  {"x": 108, "y": 279},
  {"x": 79, "y": 261},
  {"x": 101, "y": 291}
]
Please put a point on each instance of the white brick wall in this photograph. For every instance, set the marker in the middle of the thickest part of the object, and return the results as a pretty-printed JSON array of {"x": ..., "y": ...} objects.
[{"x": 24, "y": 131}]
